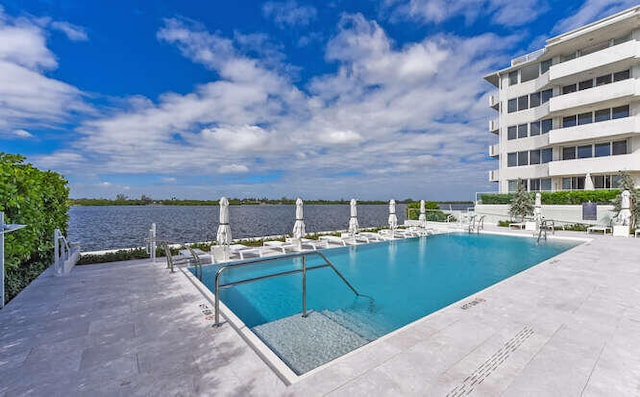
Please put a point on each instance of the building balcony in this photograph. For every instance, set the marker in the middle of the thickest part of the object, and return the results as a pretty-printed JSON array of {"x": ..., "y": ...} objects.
[
  {"x": 608, "y": 164},
  {"x": 611, "y": 59},
  {"x": 494, "y": 150},
  {"x": 494, "y": 175},
  {"x": 494, "y": 102},
  {"x": 615, "y": 129},
  {"x": 618, "y": 92},
  {"x": 494, "y": 126}
]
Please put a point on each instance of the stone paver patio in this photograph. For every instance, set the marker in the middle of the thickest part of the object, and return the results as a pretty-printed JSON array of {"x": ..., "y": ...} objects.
[{"x": 570, "y": 326}]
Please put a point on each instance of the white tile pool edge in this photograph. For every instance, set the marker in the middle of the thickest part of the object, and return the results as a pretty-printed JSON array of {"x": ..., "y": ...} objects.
[{"x": 282, "y": 370}]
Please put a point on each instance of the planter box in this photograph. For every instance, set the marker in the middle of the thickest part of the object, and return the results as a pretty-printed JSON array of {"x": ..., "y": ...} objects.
[{"x": 621, "y": 231}]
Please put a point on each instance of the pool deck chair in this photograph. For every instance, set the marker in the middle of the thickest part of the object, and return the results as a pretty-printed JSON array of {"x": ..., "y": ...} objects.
[
  {"x": 308, "y": 243},
  {"x": 370, "y": 236},
  {"x": 600, "y": 228},
  {"x": 342, "y": 241},
  {"x": 281, "y": 246}
]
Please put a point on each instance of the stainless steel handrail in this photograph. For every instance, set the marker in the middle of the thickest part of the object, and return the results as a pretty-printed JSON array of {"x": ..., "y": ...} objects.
[
  {"x": 544, "y": 226},
  {"x": 304, "y": 270}
]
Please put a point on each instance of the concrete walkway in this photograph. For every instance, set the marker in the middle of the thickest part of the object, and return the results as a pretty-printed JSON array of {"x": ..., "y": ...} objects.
[{"x": 570, "y": 326}]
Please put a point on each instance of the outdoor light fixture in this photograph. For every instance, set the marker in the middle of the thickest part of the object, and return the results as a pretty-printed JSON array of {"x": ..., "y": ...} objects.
[{"x": 4, "y": 230}]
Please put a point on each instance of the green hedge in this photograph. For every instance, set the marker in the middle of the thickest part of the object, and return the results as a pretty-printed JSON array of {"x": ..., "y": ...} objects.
[
  {"x": 35, "y": 198},
  {"x": 558, "y": 198}
]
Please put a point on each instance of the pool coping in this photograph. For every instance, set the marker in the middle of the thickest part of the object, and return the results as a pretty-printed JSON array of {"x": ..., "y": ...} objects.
[{"x": 289, "y": 377}]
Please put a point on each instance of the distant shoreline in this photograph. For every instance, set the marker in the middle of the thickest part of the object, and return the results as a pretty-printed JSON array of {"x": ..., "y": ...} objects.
[{"x": 83, "y": 202}]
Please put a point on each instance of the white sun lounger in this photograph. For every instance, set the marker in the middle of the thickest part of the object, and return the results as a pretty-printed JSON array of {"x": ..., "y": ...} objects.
[
  {"x": 343, "y": 240},
  {"x": 308, "y": 243},
  {"x": 242, "y": 250},
  {"x": 282, "y": 246}
]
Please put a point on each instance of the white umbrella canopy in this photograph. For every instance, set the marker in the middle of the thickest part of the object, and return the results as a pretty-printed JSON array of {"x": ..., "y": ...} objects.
[
  {"x": 224, "y": 230},
  {"x": 393, "y": 219},
  {"x": 353, "y": 219},
  {"x": 298, "y": 227},
  {"x": 624, "y": 216},
  {"x": 537, "y": 209},
  {"x": 588, "y": 182},
  {"x": 423, "y": 215}
]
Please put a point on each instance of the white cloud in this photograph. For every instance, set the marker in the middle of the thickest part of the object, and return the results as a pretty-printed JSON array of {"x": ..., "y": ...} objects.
[
  {"x": 27, "y": 96},
  {"x": 73, "y": 32},
  {"x": 391, "y": 118},
  {"x": 590, "y": 11},
  {"x": 287, "y": 14},
  {"x": 233, "y": 169},
  {"x": 501, "y": 12},
  {"x": 169, "y": 179}
]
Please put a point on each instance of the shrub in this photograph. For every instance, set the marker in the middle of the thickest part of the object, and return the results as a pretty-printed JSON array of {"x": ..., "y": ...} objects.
[
  {"x": 521, "y": 203},
  {"x": 35, "y": 198}
]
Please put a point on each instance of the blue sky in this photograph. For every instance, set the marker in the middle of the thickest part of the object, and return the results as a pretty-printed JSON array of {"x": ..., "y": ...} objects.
[{"x": 318, "y": 99}]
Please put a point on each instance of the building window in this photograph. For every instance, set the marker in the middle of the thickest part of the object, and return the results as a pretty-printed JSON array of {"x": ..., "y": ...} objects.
[
  {"x": 523, "y": 102},
  {"x": 546, "y": 95},
  {"x": 602, "y": 80},
  {"x": 585, "y": 151},
  {"x": 568, "y": 89},
  {"x": 534, "y": 99},
  {"x": 602, "y": 149},
  {"x": 512, "y": 159},
  {"x": 566, "y": 184},
  {"x": 512, "y": 105},
  {"x": 545, "y": 184},
  {"x": 619, "y": 147},
  {"x": 523, "y": 158},
  {"x": 569, "y": 121},
  {"x": 534, "y": 157},
  {"x": 583, "y": 85},
  {"x": 513, "y": 77},
  {"x": 530, "y": 72},
  {"x": 603, "y": 115},
  {"x": 545, "y": 66},
  {"x": 573, "y": 183},
  {"x": 621, "y": 75},
  {"x": 585, "y": 118},
  {"x": 513, "y": 185},
  {"x": 522, "y": 131},
  {"x": 601, "y": 181},
  {"x": 546, "y": 125},
  {"x": 620, "y": 112},
  {"x": 569, "y": 153},
  {"x": 615, "y": 181},
  {"x": 534, "y": 185},
  {"x": 547, "y": 155},
  {"x": 534, "y": 128},
  {"x": 512, "y": 132}
]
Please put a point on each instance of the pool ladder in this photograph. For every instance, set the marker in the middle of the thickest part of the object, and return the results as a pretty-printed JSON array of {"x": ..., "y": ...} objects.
[
  {"x": 476, "y": 225},
  {"x": 544, "y": 226},
  {"x": 303, "y": 270}
]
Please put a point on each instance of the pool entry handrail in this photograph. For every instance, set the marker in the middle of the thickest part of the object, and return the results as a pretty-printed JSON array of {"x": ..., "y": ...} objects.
[
  {"x": 258, "y": 261},
  {"x": 544, "y": 226}
]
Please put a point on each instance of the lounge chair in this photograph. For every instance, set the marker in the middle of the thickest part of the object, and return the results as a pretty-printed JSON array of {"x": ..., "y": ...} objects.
[
  {"x": 308, "y": 243},
  {"x": 282, "y": 246},
  {"x": 344, "y": 240},
  {"x": 242, "y": 250},
  {"x": 600, "y": 227},
  {"x": 369, "y": 236}
]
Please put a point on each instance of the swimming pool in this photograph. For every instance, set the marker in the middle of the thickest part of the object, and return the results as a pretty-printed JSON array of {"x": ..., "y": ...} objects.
[{"x": 407, "y": 279}]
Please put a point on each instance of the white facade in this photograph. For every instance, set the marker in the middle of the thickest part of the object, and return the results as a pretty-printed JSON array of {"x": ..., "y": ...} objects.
[{"x": 570, "y": 109}]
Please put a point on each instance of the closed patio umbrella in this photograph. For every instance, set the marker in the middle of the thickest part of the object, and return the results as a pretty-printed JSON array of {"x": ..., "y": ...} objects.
[
  {"x": 224, "y": 230},
  {"x": 423, "y": 215},
  {"x": 298, "y": 227},
  {"x": 393, "y": 219},
  {"x": 353, "y": 219},
  {"x": 537, "y": 209},
  {"x": 588, "y": 182}
]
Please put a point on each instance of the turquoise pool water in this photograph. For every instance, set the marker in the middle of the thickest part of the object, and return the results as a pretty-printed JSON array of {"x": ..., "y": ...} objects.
[{"x": 408, "y": 279}]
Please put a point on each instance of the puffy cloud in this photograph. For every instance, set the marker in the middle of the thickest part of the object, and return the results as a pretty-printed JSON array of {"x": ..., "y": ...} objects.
[
  {"x": 287, "y": 14},
  {"x": 27, "y": 96},
  {"x": 388, "y": 114}
]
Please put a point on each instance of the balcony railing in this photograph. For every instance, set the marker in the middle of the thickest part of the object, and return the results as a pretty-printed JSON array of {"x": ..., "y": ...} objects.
[
  {"x": 575, "y": 100},
  {"x": 494, "y": 126},
  {"x": 528, "y": 57},
  {"x": 494, "y": 150},
  {"x": 494, "y": 102}
]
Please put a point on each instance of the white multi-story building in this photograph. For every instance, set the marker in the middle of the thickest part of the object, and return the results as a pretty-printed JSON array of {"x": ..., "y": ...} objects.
[{"x": 571, "y": 109}]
